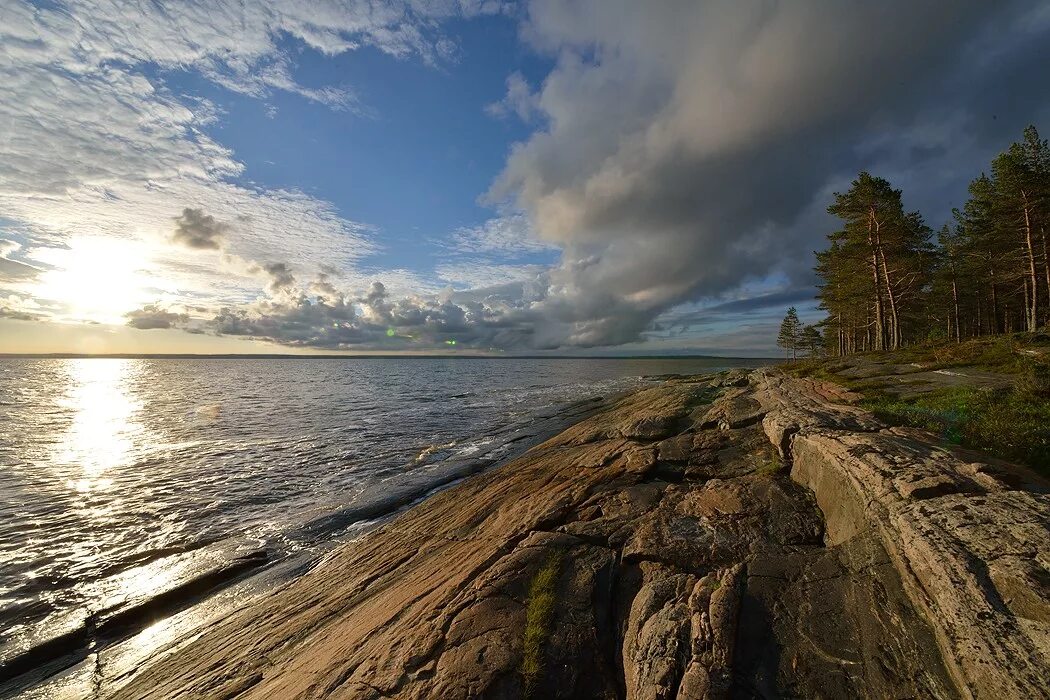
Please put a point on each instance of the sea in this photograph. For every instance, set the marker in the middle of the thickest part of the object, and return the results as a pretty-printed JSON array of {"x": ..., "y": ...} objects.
[{"x": 133, "y": 490}]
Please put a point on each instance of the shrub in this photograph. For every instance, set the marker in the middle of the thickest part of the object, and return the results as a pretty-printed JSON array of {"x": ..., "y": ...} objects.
[{"x": 1034, "y": 379}]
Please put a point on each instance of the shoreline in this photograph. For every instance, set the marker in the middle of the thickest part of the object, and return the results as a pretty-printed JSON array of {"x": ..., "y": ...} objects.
[
  {"x": 744, "y": 532},
  {"x": 203, "y": 582},
  {"x": 698, "y": 538}
]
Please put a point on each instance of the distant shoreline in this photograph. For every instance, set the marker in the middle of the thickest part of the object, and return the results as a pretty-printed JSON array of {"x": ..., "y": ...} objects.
[{"x": 281, "y": 356}]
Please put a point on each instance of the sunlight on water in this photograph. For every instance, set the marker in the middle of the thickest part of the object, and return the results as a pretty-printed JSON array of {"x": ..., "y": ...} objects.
[
  {"x": 104, "y": 431},
  {"x": 128, "y": 486}
]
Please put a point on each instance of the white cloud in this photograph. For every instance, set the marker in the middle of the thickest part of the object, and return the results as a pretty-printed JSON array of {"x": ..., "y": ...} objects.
[
  {"x": 95, "y": 148},
  {"x": 19, "y": 308},
  {"x": 509, "y": 235},
  {"x": 518, "y": 100},
  {"x": 479, "y": 274}
]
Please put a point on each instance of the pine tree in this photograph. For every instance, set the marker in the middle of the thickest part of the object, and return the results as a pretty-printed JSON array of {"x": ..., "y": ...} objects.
[
  {"x": 811, "y": 341},
  {"x": 884, "y": 281},
  {"x": 948, "y": 279},
  {"x": 790, "y": 332},
  {"x": 1015, "y": 202}
]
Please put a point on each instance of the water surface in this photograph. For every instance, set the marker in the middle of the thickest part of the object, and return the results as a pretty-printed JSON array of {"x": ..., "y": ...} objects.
[{"x": 114, "y": 471}]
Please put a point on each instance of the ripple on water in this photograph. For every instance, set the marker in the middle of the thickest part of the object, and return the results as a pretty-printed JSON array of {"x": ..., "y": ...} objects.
[{"x": 115, "y": 471}]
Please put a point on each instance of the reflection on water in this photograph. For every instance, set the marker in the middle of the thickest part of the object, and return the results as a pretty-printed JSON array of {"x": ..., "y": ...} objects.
[
  {"x": 104, "y": 429},
  {"x": 122, "y": 477}
]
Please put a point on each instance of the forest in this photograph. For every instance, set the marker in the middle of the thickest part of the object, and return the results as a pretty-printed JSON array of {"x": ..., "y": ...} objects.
[{"x": 887, "y": 280}]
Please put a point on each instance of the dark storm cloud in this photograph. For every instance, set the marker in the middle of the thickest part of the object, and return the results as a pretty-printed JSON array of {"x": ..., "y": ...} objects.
[
  {"x": 375, "y": 320},
  {"x": 152, "y": 317},
  {"x": 691, "y": 147},
  {"x": 195, "y": 229},
  {"x": 771, "y": 305}
]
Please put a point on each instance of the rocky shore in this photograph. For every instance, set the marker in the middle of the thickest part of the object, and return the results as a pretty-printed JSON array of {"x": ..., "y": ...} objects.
[{"x": 742, "y": 535}]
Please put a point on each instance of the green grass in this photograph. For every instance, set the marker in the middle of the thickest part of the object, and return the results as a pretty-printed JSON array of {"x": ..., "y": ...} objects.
[
  {"x": 539, "y": 615},
  {"x": 1011, "y": 423},
  {"x": 821, "y": 368},
  {"x": 1006, "y": 354},
  {"x": 770, "y": 466}
]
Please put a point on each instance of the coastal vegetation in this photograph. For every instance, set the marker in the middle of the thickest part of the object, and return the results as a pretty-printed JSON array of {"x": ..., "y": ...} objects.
[
  {"x": 1009, "y": 422},
  {"x": 539, "y": 614},
  {"x": 987, "y": 393},
  {"x": 974, "y": 295},
  {"x": 888, "y": 282}
]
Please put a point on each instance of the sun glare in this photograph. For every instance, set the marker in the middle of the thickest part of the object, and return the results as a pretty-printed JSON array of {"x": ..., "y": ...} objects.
[
  {"x": 97, "y": 279},
  {"x": 104, "y": 428}
]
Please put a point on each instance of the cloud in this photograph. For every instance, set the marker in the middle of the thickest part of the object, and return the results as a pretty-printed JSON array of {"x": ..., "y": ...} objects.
[
  {"x": 152, "y": 316},
  {"x": 519, "y": 100},
  {"x": 685, "y": 146},
  {"x": 241, "y": 46},
  {"x": 281, "y": 277},
  {"x": 13, "y": 270},
  {"x": 509, "y": 235},
  {"x": 96, "y": 146},
  {"x": 19, "y": 308},
  {"x": 375, "y": 319},
  {"x": 479, "y": 273},
  {"x": 681, "y": 152},
  {"x": 195, "y": 229}
]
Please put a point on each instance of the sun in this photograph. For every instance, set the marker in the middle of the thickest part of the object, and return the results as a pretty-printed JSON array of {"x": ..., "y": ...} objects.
[{"x": 97, "y": 279}]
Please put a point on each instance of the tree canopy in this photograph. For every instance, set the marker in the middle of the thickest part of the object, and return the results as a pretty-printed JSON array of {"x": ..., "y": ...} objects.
[{"x": 887, "y": 281}]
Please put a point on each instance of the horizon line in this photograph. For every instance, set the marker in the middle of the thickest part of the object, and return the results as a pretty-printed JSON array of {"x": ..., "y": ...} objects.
[{"x": 339, "y": 356}]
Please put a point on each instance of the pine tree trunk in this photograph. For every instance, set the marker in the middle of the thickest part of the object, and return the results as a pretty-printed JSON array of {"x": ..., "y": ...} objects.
[
  {"x": 980, "y": 322},
  {"x": 955, "y": 308},
  {"x": 895, "y": 332},
  {"x": 867, "y": 333},
  {"x": 879, "y": 321},
  {"x": 1046, "y": 265},
  {"x": 1032, "y": 309},
  {"x": 995, "y": 306}
]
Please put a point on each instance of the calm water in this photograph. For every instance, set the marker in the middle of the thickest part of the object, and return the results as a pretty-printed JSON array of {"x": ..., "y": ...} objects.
[{"x": 108, "y": 466}]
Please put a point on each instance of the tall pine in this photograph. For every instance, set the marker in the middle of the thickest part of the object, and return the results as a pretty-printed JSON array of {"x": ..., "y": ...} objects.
[{"x": 790, "y": 332}]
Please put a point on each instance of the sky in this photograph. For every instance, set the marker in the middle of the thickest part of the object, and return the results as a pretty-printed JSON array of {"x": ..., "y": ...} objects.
[{"x": 472, "y": 176}]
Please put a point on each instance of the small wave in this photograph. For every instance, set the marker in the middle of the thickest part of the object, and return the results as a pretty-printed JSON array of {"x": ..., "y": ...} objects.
[{"x": 431, "y": 449}]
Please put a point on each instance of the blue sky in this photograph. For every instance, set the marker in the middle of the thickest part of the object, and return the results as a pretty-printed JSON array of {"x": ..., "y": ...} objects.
[
  {"x": 544, "y": 176},
  {"x": 412, "y": 162}
]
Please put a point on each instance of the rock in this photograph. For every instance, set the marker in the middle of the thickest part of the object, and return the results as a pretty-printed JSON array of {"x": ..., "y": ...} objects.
[
  {"x": 945, "y": 531},
  {"x": 651, "y": 427},
  {"x": 736, "y": 409},
  {"x": 676, "y": 449},
  {"x": 656, "y": 550}
]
